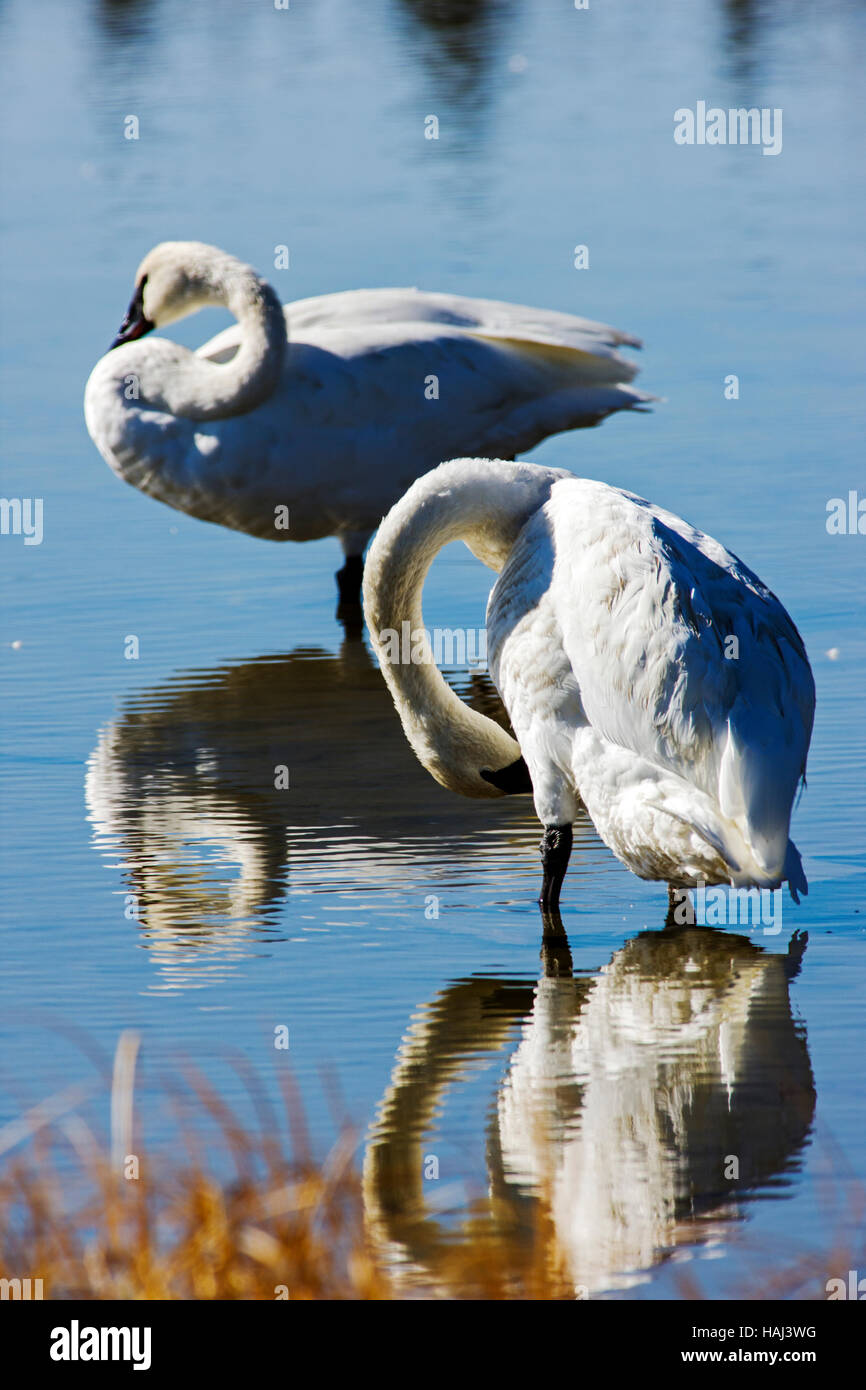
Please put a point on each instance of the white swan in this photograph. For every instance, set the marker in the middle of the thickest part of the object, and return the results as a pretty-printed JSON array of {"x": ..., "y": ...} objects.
[
  {"x": 645, "y": 669},
  {"x": 372, "y": 389}
]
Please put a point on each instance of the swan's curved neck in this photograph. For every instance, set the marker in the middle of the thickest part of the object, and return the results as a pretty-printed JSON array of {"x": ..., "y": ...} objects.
[
  {"x": 174, "y": 379},
  {"x": 484, "y": 503}
]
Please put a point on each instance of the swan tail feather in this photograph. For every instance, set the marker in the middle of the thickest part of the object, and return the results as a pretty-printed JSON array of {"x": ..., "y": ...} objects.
[{"x": 601, "y": 366}]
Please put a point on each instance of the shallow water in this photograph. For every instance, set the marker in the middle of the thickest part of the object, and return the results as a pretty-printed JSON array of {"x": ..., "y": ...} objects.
[{"x": 390, "y": 925}]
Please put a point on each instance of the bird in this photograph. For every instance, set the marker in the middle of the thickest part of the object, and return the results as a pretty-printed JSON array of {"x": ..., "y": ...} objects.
[
  {"x": 311, "y": 420},
  {"x": 647, "y": 672},
  {"x": 626, "y": 1089}
]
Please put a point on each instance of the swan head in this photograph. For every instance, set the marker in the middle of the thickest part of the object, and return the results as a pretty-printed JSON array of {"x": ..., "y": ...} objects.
[{"x": 175, "y": 279}]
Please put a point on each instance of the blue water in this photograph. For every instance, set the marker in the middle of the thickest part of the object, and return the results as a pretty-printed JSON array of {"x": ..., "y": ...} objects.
[{"x": 142, "y": 779}]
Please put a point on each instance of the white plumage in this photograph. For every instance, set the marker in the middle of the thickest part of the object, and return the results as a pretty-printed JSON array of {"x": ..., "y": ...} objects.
[
  {"x": 646, "y": 671},
  {"x": 333, "y": 406}
]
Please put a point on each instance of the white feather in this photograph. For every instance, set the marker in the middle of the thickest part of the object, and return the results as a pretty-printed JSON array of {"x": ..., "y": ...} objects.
[
  {"x": 645, "y": 669},
  {"x": 326, "y": 410}
]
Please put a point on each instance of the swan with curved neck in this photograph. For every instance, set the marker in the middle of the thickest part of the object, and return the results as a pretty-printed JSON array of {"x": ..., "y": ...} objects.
[
  {"x": 177, "y": 279},
  {"x": 313, "y": 419},
  {"x": 609, "y": 640}
]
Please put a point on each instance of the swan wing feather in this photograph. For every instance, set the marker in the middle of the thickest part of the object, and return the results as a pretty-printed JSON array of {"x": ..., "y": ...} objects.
[
  {"x": 681, "y": 654},
  {"x": 565, "y": 342}
]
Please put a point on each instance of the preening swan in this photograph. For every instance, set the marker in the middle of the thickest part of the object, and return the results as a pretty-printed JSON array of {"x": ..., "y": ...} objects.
[
  {"x": 645, "y": 670},
  {"x": 331, "y": 407}
]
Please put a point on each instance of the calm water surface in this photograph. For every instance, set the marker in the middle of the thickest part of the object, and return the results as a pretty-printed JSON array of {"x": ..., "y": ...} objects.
[{"x": 388, "y": 924}]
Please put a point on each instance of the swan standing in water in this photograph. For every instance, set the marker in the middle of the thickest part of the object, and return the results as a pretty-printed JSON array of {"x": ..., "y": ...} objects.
[
  {"x": 645, "y": 669},
  {"x": 331, "y": 407}
]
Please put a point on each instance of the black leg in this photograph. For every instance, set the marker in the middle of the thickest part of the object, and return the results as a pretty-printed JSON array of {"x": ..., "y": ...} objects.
[
  {"x": 349, "y": 610},
  {"x": 349, "y": 579},
  {"x": 555, "y": 853}
]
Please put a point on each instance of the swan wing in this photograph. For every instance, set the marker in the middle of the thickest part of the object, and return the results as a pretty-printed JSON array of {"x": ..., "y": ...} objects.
[
  {"x": 496, "y": 318},
  {"x": 680, "y": 653},
  {"x": 470, "y": 376},
  {"x": 565, "y": 341}
]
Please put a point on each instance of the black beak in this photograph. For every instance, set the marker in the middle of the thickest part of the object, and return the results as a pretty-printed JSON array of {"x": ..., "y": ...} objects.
[{"x": 134, "y": 325}]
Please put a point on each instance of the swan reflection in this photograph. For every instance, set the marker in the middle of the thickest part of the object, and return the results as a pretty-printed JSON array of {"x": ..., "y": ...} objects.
[
  {"x": 460, "y": 38},
  {"x": 183, "y": 794},
  {"x": 648, "y": 1102}
]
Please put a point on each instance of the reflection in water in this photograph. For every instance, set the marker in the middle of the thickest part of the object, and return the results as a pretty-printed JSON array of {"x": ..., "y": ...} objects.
[
  {"x": 743, "y": 22},
  {"x": 460, "y": 37},
  {"x": 182, "y": 793},
  {"x": 125, "y": 21},
  {"x": 460, "y": 44},
  {"x": 627, "y": 1098}
]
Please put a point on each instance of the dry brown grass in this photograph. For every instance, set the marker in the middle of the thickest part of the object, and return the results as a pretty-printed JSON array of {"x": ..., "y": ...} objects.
[
  {"x": 179, "y": 1232},
  {"x": 280, "y": 1225}
]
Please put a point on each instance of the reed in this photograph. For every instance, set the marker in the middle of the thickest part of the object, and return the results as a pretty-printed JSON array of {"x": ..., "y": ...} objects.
[{"x": 280, "y": 1225}]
